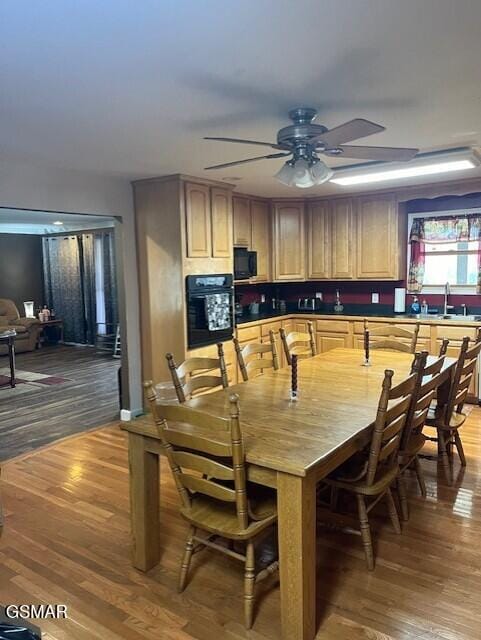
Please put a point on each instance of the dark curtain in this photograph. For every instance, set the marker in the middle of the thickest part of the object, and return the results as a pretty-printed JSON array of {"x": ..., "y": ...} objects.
[
  {"x": 110, "y": 280},
  {"x": 69, "y": 276},
  {"x": 63, "y": 284},
  {"x": 87, "y": 266},
  {"x": 71, "y": 273}
]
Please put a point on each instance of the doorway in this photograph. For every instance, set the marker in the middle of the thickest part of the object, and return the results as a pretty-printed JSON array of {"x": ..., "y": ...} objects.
[{"x": 64, "y": 271}]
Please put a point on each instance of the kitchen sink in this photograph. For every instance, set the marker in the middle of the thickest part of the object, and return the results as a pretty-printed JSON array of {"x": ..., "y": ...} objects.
[{"x": 449, "y": 316}]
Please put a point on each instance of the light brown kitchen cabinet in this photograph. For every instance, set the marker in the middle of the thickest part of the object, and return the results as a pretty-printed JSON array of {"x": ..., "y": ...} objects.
[
  {"x": 342, "y": 231},
  {"x": 198, "y": 220},
  {"x": 242, "y": 221},
  {"x": 318, "y": 241},
  {"x": 289, "y": 241},
  {"x": 260, "y": 238},
  {"x": 221, "y": 223},
  {"x": 378, "y": 240},
  {"x": 328, "y": 341}
]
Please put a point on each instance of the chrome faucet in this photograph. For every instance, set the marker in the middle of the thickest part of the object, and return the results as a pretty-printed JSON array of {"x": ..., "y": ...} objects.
[{"x": 446, "y": 295}]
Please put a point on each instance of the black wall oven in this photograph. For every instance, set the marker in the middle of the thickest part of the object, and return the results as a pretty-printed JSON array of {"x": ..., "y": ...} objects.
[{"x": 210, "y": 304}]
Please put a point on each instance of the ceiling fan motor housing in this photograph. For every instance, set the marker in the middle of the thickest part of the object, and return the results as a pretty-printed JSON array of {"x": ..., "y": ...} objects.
[{"x": 302, "y": 129}]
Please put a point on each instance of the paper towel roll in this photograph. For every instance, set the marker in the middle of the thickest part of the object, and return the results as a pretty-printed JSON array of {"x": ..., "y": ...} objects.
[{"x": 399, "y": 300}]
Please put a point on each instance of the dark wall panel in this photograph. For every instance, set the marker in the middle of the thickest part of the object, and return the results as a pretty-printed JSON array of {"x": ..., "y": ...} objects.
[{"x": 21, "y": 269}]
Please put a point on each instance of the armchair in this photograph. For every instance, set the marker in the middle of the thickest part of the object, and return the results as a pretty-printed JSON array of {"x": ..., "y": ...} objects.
[{"x": 27, "y": 329}]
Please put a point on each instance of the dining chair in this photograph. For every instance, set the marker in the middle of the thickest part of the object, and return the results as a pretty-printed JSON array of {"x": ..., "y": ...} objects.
[
  {"x": 194, "y": 376},
  {"x": 412, "y": 441},
  {"x": 387, "y": 337},
  {"x": 216, "y": 500},
  {"x": 251, "y": 357},
  {"x": 372, "y": 473},
  {"x": 448, "y": 419},
  {"x": 303, "y": 345},
  {"x": 443, "y": 349}
]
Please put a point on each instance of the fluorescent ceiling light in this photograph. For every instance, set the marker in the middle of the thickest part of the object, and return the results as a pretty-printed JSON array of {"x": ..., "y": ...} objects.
[
  {"x": 431, "y": 164},
  {"x": 58, "y": 222}
]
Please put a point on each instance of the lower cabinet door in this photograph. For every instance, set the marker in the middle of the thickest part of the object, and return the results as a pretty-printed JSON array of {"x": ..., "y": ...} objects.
[{"x": 328, "y": 341}]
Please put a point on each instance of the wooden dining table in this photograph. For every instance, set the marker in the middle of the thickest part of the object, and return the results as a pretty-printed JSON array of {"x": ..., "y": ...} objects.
[{"x": 289, "y": 445}]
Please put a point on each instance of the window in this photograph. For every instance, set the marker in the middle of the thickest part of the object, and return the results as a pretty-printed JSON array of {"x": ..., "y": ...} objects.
[
  {"x": 444, "y": 247},
  {"x": 456, "y": 263}
]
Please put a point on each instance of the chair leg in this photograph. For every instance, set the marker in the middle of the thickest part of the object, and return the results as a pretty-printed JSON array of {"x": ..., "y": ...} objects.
[
  {"x": 420, "y": 476},
  {"x": 459, "y": 447},
  {"x": 444, "y": 456},
  {"x": 249, "y": 579},
  {"x": 365, "y": 531},
  {"x": 334, "y": 498},
  {"x": 391, "y": 506},
  {"x": 403, "y": 500},
  {"x": 184, "y": 568}
]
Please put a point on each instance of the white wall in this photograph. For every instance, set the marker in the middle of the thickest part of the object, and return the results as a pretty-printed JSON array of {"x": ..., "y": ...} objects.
[{"x": 25, "y": 185}]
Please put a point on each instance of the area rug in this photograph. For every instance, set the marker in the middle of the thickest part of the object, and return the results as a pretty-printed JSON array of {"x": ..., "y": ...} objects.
[{"x": 27, "y": 381}]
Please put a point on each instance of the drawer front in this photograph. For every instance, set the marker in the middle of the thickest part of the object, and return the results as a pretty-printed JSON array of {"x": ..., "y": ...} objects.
[
  {"x": 249, "y": 334},
  {"x": 455, "y": 333},
  {"x": 336, "y": 326}
]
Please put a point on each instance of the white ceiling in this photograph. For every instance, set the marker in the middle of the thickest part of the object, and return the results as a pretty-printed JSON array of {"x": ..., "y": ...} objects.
[
  {"x": 42, "y": 222},
  {"x": 129, "y": 88}
]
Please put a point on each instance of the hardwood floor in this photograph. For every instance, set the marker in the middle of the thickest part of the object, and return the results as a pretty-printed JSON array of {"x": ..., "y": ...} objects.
[
  {"x": 89, "y": 399},
  {"x": 67, "y": 540}
]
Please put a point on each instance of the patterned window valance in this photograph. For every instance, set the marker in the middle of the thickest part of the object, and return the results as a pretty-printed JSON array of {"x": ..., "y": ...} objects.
[{"x": 446, "y": 229}]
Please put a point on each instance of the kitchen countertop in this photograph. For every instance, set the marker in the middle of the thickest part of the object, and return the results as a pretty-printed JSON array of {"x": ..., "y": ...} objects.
[{"x": 248, "y": 319}]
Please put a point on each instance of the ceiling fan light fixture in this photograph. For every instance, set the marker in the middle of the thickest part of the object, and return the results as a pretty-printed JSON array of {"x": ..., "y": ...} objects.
[
  {"x": 286, "y": 173},
  {"x": 303, "y": 173},
  {"x": 321, "y": 172}
]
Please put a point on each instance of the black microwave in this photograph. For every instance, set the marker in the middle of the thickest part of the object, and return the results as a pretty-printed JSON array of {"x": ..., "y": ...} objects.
[{"x": 245, "y": 263}]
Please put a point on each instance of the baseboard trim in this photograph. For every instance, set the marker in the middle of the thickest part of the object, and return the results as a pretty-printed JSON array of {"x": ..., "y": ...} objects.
[{"x": 126, "y": 415}]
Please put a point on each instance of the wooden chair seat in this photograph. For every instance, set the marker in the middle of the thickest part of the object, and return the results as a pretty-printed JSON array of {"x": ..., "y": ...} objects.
[
  {"x": 221, "y": 518},
  {"x": 456, "y": 421},
  {"x": 361, "y": 486}
]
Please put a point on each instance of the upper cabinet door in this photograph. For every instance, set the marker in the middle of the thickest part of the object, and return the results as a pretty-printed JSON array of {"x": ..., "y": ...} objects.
[
  {"x": 261, "y": 226},
  {"x": 289, "y": 241},
  {"x": 221, "y": 203},
  {"x": 197, "y": 212},
  {"x": 377, "y": 237},
  {"x": 318, "y": 247},
  {"x": 342, "y": 223},
  {"x": 242, "y": 221}
]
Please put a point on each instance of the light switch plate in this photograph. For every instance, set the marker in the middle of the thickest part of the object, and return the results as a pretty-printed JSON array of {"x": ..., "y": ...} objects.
[
  {"x": 263, "y": 298},
  {"x": 319, "y": 295},
  {"x": 375, "y": 298}
]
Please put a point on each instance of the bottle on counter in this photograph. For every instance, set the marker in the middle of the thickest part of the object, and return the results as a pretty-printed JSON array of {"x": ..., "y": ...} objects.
[
  {"x": 415, "y": 306},
  {"x": 424, "y": 307}
]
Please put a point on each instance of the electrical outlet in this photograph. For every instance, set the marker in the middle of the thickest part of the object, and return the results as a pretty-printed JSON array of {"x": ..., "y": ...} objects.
[
  {"x": 319, "y": 295},
  {"x": 263, "y": 298},
  {"x": 375, "y": 298}
]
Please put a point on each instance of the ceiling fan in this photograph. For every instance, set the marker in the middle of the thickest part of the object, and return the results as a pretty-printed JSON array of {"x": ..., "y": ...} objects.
[{"x": 304, "y": 141}]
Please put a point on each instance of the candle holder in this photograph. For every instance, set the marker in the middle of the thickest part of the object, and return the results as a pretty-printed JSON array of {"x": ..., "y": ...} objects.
[
  {"x": 294, "y": 395},
  {"x": 366, "y": 362}
]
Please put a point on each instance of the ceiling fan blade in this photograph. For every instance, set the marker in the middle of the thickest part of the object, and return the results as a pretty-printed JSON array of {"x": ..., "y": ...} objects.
[
  {"x": 239, "y": 140},
  {"x": 352, "y": 130},
  {"x": 231, "y": 164},
  {"x": 387, "y": 154}
]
